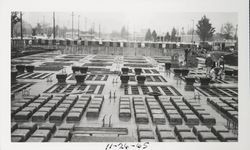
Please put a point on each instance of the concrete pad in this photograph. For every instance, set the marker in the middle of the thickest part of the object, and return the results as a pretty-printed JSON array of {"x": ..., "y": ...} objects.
[
  {"x": 146, "y": 135},
  {"x": 22, "y": 115},
  {"x": 174, "y": 119},
  {"x": 216, "y": 129},
  {"x": 46, "y": 134},
  {"x": 169, "y": 140},
  {"x": 28, "y": 125},
  {"x": 191, "y": 119},
  {"x": 198, "y": 129},
  {"x": 13, "y": 126},
  {"x": 227, "y": 136},
  {"x": 67, "y": 126},
  {"x": 23, "y": 133},
  {"x": 48, "y": 126},
  {"x": 182, "y": 136},
  {"x": 56, "y": 116},
  {"x": 36, "y": 139},
  {"x": 159, "y": 118},
  {"x": 142, "y": 127},
  {"x": 39, "y": 116},
  {"x": 162, "y": 128},
  {"x": 92, "y": 112},
  {"x": 208, "y": 120},
  {"x": 141, "y": 118},
  {"x": 58, "y": 139},
  {"x": 16, "y": 139},
  {"x": 203, "y": 136},
  {"x": 62, "y": 134},
  {"x": 74, "y": 116},
  {"x": 31, "y": 109},
  {"x": 181, "y": 128},
  {"x": 166, "y": 135},
  {"x": 46, "y": 109}
]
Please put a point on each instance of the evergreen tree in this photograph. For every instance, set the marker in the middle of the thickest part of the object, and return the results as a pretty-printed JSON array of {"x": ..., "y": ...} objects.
[
  {"x": 148, "y": 36},
  {"x": 173, "y": 35},
  {"x": 154, "y": 36},
  {"x": 124, "y": 32},
  {"x": 167, "y": 37},
  {"x": 205, "y": 29}
]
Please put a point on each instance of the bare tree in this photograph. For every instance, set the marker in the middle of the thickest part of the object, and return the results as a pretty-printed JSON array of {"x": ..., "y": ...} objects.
[{"x": 228, "y": 30}]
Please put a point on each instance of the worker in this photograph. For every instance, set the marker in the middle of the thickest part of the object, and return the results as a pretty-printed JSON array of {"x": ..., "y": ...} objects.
[{"x": 209, "y": 64}]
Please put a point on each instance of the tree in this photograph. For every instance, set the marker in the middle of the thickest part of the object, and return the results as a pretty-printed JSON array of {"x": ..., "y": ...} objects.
[
  {"x": 50, "y": 31},
  {"x": 14, "y": 20},
  {"x": 154, "y": 36},
  {"x": 227, "y": 30},
  {"x": 182, "y": 31},
  {"x": 63, "y": 31},
  {"x": 38, "y": 29},
  {"x": 148, "y": 36},
  {"x": 173, "y": 35},
  {"x": 167, "y": 37},
  {"x": 26, "y": 27},
  {"x": 190, "y": 31},
  {"x": 57, "y": 28},
  {"x": 205, "y": 29},
  {"x": 115, "y": 34},
  {"x": 124, "y": 32},
  {"x": 34, "y": 32}
]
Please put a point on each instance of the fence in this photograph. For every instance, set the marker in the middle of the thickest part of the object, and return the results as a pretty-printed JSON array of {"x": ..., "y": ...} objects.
[{"x": 100, "y": 47}]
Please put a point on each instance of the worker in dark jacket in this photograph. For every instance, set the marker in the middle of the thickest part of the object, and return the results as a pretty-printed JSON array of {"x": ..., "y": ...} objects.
[
  {"x": 209, "y": 64},
  {"x": 221, "y": 62}
]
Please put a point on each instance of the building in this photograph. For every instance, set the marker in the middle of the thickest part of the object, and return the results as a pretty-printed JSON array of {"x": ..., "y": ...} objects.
[
  {"x": 82, "y": 35},
  {"x": 188, "y": 38}
]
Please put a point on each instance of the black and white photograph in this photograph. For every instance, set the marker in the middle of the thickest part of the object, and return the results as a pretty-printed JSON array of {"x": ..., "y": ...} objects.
[{"x": 126, "y": 78}]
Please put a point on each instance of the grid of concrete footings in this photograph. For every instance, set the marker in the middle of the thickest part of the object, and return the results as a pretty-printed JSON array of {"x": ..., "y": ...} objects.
[{"x": 101, "y": 98}]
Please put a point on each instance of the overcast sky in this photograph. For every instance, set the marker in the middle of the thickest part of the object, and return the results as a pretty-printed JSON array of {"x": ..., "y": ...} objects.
[{"x": 109, "y": 21}]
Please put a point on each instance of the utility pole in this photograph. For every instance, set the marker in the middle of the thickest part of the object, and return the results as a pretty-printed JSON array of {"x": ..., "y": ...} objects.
[
  {"x": 43, "y": 24},
  {"x": 54, "y": 29},
  {"x": 72, "y": 25},
  {"x": 99, "y": 31},
  {"x": 134, "y": 31},
  {"x": 236, "y": 30},
  {"x": 236, "y": 36},
  {"x": 93, "y": 30},
  {"x": 78, "y": 27},
  {"x": 192, "y": 32},
  {"x": 128, "y": 31},
  {"x": 85, "y": 24},
  {"x": 21, "y": 24}
]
